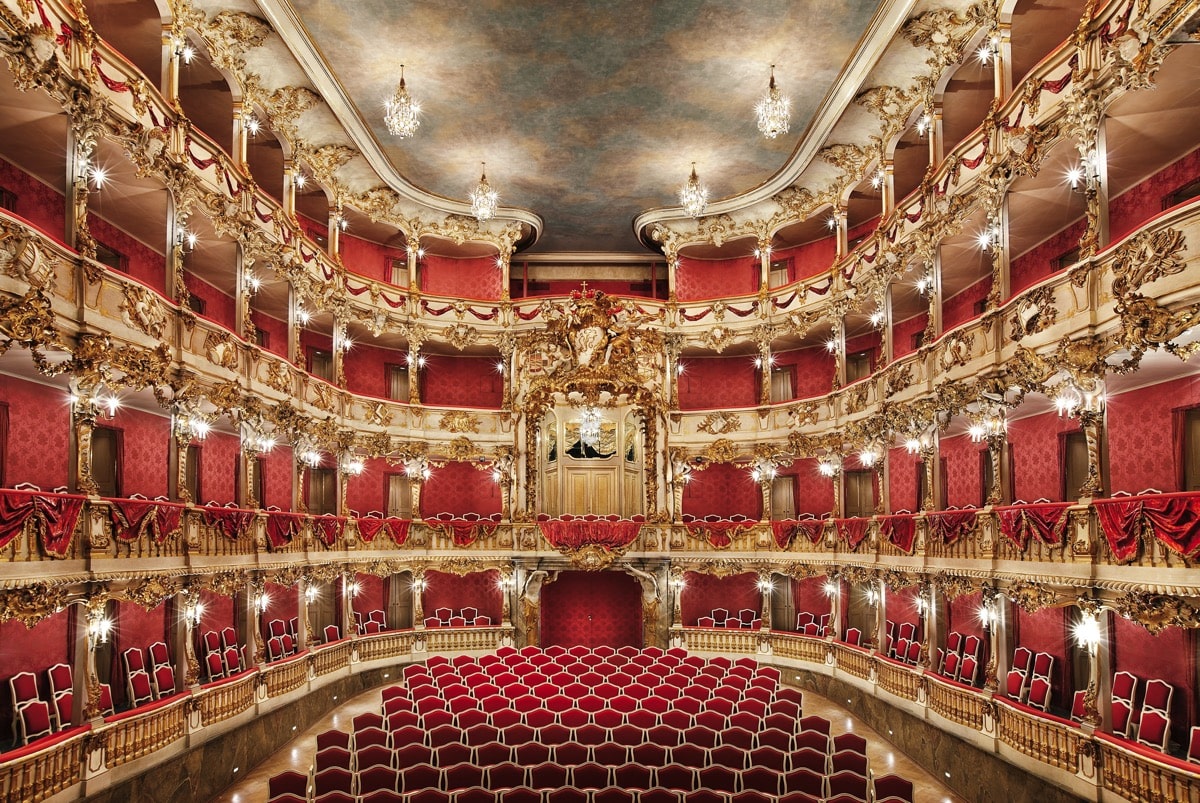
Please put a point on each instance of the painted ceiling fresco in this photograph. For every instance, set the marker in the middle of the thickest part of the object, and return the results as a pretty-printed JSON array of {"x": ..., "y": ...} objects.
[{"x": 586, "y": 113}]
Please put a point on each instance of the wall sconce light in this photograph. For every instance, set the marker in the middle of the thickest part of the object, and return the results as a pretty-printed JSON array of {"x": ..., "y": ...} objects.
[
  {"x": 99, "y": 627},
  {"x": 830, "y": 587},
  {"x": 262, "y": 601},
  {"x": 193, "y": 613},
  {"x": 765, "y": 586},
  {"x": 311, "y": 458},
  {"x": 311, "y": 593},
  {"x": 182, "y": 49},
  {"x": 829, "y": 466},
  {"x": 352, "y": 589},
  {"x": 924, "y": 123},
  {"x": 1086, "y": 632},
  {"x": 419, "y": 585},
  {"x": 989, "y": 50}
]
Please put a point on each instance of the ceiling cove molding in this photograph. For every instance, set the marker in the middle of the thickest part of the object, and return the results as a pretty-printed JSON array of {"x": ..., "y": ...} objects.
[
  {"x": 287, "y": 24},
  {"x": 881, "y": 32}
]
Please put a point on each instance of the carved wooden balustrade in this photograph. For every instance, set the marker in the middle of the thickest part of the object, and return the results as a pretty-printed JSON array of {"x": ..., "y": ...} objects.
[
  {"x": 1051, "y": 740},
  {"x": 284, "y": 676},
  {"x": 956, "y": 703},
  {"x": 41, "y": 771},
  {"x": 377, "y": 646},
  {"x": 332, "y": 657},
  {"x": 853, "y": 660},
  {"x": 1136, "y": 774},
  {"x": 900, "y": 680},
  {"x": 140, "y": 732},
  {"x": 225, "y": 699}
]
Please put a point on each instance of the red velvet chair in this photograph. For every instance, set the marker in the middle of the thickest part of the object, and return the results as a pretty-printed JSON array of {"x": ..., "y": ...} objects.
[
  {"x": 288, "y": 783},
  {"x": 141, "y": 690},
  {"x": 333, "y": 779},
  {"x": 610, "y": 754},
  {"x": 548, "y": 775},
  {"x": 893, "y": 788},
  {"x": 633, "y": 775},
  {"x": 664, "y": 735},
  {"x": 848, "y": 761},
  {"x": 813, "y": 740},
  {"x": 462, "y": 776},
  {"x": 650, "y": 754},
  {"x": 554, "y": 734},
  {"x": 629, "y": 735},
  {"x": 847, "y": 783},
  {"x": 805, "y": 781},
  {"x": 659, "y": 796},
  {"x": 34, "y": 720},
  {"x": 773, "y": 737},
  {"x": 448, "y": 755},
  {"x": 809, "y": 759},
  {"x": 378, "y": 778},
  {"x": 531, "y": 754},
  {"x": 613, "y": 794},
  {"x": 1039, "y": 693},
  {"x": 505, "y": 775},
  {"x": 719, "y": 779},
  {"x": 675, "y": 776},
  {"x": 571, "y": 753},
  {"x": 590, "y": 775},
  {"x": 566, "y": 794},
  {"x": 419, "y": 777}
]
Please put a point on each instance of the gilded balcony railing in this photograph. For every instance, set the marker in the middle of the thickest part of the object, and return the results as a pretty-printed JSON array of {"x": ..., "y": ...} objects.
[
  {"x": 853, "y": 660},
  {"x": 707, "y": 639},
  {"x": 439, "y": 639},
  {"x": 37, "y": 773},
  {"x": 800, "y": 648},
  {"x": 139, "y": 733},
  {"x": 285, "y": 676},
  {"x": 1048, "y": 739},
  {"x": 956, "y": 703},
  {"x": 898, "y": 679},
  {"x": 1137, "y": 776},
  {"x": 227, "y": 699},
  {"x": 378, "y": 646},
  {"x": 332, "y": 657}
]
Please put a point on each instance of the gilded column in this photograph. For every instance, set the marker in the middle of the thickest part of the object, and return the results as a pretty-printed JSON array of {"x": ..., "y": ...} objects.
[
  {"x": 181, "y": 438},
  {"x": 418, "y": 601},
  {"x": 189, "y": 600},
  {"x": 99, "y": 626},
  {"x": 83, "y": 422}
]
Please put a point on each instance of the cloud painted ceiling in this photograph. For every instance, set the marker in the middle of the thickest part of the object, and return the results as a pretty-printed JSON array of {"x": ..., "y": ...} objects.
[{"x": 586, "y": 113}]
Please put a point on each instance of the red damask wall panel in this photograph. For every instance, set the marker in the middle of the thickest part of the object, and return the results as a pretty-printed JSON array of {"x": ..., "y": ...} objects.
[
  {"x": 218, "y": 306},
  {"x": 144, "y": 442},
  {"x": 963, "y": 615},
  {"x": 902, "y": 480},
  {"x": 38, "y": 203},
  {"x": 812, "y": 370},
  {"x": 1169, "y": 656},
  {"x": 283, "y": 603},
  {"x": 697, "y": 279},
  {"x": 475, "y": 590},
  {"x": 1037, "y": 465},
  {"x": 717, "y": 383},
  {"x": 903, "y": 333},
  {"x": 456, "y": 381},
  {"x": 1141, "y": 426},
  {"x": 459, "y": 488},
  {"x": 864, "y": 229},
  {"x": 365, "y": 371},
  {"x": 592, "y": 609},
  {"x": 811, "y": 258},
  {"x": 31, "y": 650},
  {"x": 871, "y": 342},
  {"x": 276, "y": 331},
  {"x": 218, "y": 467},
  {"x": 703, "y": 592},
  {"x": 960, "y": 461},
  {"x": 901, "y": 607},
  {"x": 218, "y": 614},
  {"x": 808, "y": 594},
  {"x": 478, "y": 278},
  {"x": 134, "y": 627},
  {"x": 1143, "y": 201},
  {"x": 277, "y": 479},
  {"x": 369, "y": 259},
  {"x": 144, "y": 263},
  {"x": 722, "y": 489},
  {"x": 1040, "y": 261},
  {"x": 366, "y": 492},
  {"x": 1047, "y": 631},
  {"x": 39, "y": 420},
  {"x": 372, "y": 594},
  {"x": 814, "y": 493},
  {"x": 961, "y": 306}
]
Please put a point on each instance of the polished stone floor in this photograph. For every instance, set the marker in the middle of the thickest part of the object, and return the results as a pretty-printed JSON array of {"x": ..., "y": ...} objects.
[{"x": 298, "y": 754}]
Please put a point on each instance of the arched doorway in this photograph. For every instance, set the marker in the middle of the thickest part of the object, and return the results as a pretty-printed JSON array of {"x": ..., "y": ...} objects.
[{"x": 592, "y": 609}]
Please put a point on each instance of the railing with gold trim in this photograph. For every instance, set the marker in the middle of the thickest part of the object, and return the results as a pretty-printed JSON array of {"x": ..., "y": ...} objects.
[
  {"x": 1136, "y": 776},
  {"x": 378, "y": 646},
  {"x": 331, "y": 657},
  {"x": 439, "y": 639},
  {"x": 1048, "y": 739},
  {"x": 853, "y": 660},
  {"x": 898, "y": 679},
  {"x": 287, "y": 675},
  {"x": 800, "y": 648},
  {"x": 956, "y": 703},
  {"x": 713, "y": 639},
  {"x": 139, "y": 733},
  {"x": 35, "y": 774},
  {"x": 226, "y": 699}
]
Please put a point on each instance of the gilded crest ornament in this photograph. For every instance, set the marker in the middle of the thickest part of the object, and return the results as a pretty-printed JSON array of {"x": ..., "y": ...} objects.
[
  {"x": 459, "y": 421},
  {"x": 719, "y": 423}
]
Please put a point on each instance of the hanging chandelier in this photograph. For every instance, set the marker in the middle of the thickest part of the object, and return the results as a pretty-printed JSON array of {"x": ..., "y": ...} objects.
[
  {"x": 774, "y": 111},
  {"x": 693, "y": 196},
  {"x": 401, "y": 113},
  {"x": 484, "y": 198},
  {"x": 589, "y": 427}
]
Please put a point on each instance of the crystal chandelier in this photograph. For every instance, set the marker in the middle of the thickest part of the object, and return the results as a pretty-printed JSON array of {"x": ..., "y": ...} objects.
[
  {"x": 693, "y": 196},
  {"x": 774, "y": 111},
  {"x": 401, "y": 114},
  {"x": 589, "y": 427},
  {"x": 484, "y": 198}
]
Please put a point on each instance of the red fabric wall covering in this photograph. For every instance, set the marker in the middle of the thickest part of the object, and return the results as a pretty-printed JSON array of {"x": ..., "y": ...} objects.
[
  {"x": 814, "y": 493},
  {"x": 370, "y": 260},
  {"x": 1144, "y": 200},
  {"x": 144, "y": 440},
  {"x": 218, "y": 307},
  {"x": 812, "y": 370},
  {"x": 871, "y": 342},
  {"x": 808, "y": 594},
  {"x": 810, "y": 259},
  {"x": 312, "y": 340},
  {"x": 477, "y": 278},
  {"x": 865, "y": 228},
  {"x": 722, "y": 489},
  {"x": 1039, "y": 262},
  {"x": 475, "y": 590},
  {"x": 366, "y": 371},
  {"x": 902, "y": 480},
  {"x": 39, "y": 203},
  {"x": 276, "y": 331},
  {"x": 277, "y": 479},
  {"x": 372, "y": 594},
  {"x": 1048, "y": 630},
  {"x": 283, "y": 603},
  {"x": 697, "y": 279},
  {"x": 144, "y": 263},
  {"x": 903, "y": 332},
  {"x": 457, "y": 381},
  {"x": 961, "y": 306},
  {"x": 134, "y": 627},
  {"x": 39, "y": 420},
  {"x": 459, "y": 488},
  {"x": 964, "y": 482},
  {"x": 592, "y": 609},
  {"x": 1141, "y": 425},
  {"x": 718, "y": 383},
  {"x": 367, "y": 492},
  {"x": 219, "y": 454},
  {"x": 963, "y": 615},
  {"x": 637, "y": 288},
  {"x": 1036, "y": 462},
  {"x": 218, "y": 614},
  {"x": 1169, "y": 656},
  {"x": 30, "y": 650},
  {"x": 901, "y": 607},
  {"x": 704, "y": 592}
]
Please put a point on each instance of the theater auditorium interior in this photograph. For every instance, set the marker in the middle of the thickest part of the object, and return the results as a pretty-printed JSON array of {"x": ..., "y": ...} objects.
[{"x": 599, "y": 402}]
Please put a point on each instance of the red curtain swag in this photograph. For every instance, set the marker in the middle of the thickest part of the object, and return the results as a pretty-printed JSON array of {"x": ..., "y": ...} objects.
[
  {"x": 1174, "y": 519},
  {"x": 950, "y": 525},
  {"x": 785, "y": 531},
  {"x": 55, "y": 515},
  {"x": 718, "y": 533},
  {"x": 232, "y": 523},
  {"x": 465, "y": 532},
  {"x": 283, "y": 527},
  {"x": 328, "y": 529},
  {"x": 134, "y": 518},
  {"x": 397, "y": 529},
  {"x": 853, "y": 531},
  {"x": 576, "y": 534},
  {"x": 899, "y": 530},
  {"x": 1046, "y": 522}
]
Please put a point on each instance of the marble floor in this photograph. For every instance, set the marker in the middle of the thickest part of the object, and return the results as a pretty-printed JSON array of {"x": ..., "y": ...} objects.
[{"x": 298, "y": 754}]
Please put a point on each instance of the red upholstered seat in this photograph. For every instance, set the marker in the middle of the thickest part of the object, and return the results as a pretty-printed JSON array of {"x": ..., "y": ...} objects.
[
  {"x": 34, "y": 720},
  {"x": 505, "y": 775},
  {"x": 462, "y": 776},
  {"x": 288, "y": 783},
  {"x": 548, "y": 775},
  {"x": 650, "y": 754},
  {"x": 141, "y": 690},
  {"x": 613, "y": 794},
  {"x": 848, "y": 760},
  {"x": 1039, "y": 693},
  {"x": 1154, "y": 728},
  {"x": 847, "y": 783},
  {"x": 893, "y": 787},
  {"x": 471, "y": 718},
  {"x": 675, "y": 776},
  {"x": 610, "y": 754},
  {"x": 633, "y": 775},
  {"x": 531, "y": 753},
  {"x": 505, "y": 717},
  {"x": 718, "y": 778},
  {"x": 333, "y": 779},
  {"x": 589, "y": 775},
  {"x": 566, "y": 794},
  {"x": 408, "y": 734},
  {"x": 419, "y": 777},
  {"x": 804, "y": 780},
  {"x": 773, "y": 737},
  {"x": 378, "y": 778},
  {"x": 448, "y": 755},
  {"x": 629, "y": 735},
  {"x": 571, "y": 753},
  {"x": 659, "y": 796}
]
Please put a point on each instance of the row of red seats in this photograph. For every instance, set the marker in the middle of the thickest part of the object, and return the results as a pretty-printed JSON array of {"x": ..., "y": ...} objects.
[
  {"x": 566, "y": 794},
  {"x": 672, "y": 685},
  {"x": 783, "y": 716}
]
